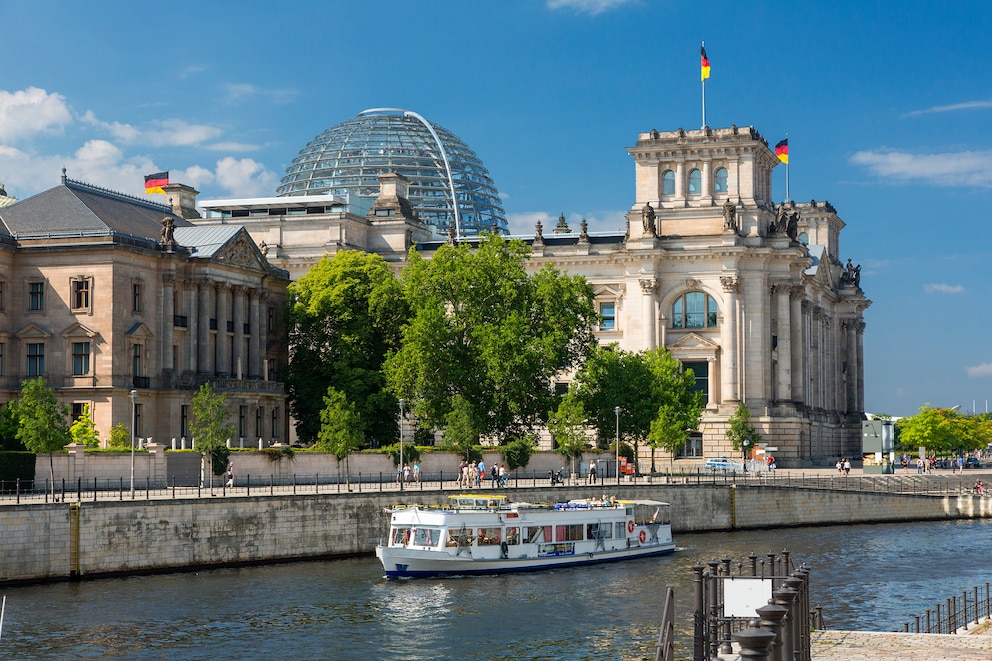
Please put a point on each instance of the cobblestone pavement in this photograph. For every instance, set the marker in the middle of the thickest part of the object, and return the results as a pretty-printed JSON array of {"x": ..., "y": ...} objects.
[{"x": 872, "y": 646}]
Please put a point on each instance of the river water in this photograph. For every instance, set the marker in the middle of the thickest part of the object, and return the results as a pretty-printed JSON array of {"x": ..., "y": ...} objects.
[{"x": 866, "y": 577}]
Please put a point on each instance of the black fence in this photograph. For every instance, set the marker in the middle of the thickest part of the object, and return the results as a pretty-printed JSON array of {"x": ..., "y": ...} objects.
[{"x": 957, "y": 613}]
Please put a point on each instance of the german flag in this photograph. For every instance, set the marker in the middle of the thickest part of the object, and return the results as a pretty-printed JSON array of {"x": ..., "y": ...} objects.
[
  {"x": 782, "y": 150},
  {"x": 704, "y": 64},
  {"x": 154, "y": 182}
]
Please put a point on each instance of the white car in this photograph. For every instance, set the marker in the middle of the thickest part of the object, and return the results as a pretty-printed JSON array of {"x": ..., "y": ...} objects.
[{"x": 724, "y": 464}]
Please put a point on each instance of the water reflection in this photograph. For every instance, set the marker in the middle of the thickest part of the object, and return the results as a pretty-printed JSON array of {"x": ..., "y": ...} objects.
[{"x": 866, "y": 577}]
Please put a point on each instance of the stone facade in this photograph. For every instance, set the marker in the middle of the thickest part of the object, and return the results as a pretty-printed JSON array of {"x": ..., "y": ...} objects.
[
  {"x": 103, "y": 293},
  {"x": 752, "y": 295}
]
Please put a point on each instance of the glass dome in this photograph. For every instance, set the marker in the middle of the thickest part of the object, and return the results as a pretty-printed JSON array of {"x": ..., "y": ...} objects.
[{"x": 348, "y": 157}]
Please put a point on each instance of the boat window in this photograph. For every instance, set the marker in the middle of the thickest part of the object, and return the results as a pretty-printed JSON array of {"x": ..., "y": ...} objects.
[
  {"x": 461, "y": 537},
  {"x": 426, "y": 536},
  {"x": 569, "y": 533},
  {"x": 401, "y": 535},
  {"x": 599, "y": 531},
  {"x": 538, "y": 534},
  {"x": 490, "y": 536},
  {"x": 620, "y": 530},
  {"x": 513, "y": 536}
]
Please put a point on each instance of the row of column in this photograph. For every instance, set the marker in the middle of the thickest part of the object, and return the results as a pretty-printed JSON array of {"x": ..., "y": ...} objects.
[{"x": 201, "y": 301}]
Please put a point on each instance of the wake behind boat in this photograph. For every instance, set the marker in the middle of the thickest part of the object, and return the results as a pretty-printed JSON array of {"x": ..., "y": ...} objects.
[{"x": 474, "y": 534}]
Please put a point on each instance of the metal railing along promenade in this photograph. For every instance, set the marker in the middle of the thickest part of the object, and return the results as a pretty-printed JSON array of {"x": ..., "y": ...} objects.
[{"x": 957, "y": 613}]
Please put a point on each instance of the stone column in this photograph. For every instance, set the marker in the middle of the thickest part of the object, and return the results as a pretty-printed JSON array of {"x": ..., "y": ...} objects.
[
  {"x": 680, "y": 181},
  {"x": 239, "y": 368},
  {"x": 253, "y": 342},
  {"x": 203, "y": 357},
  {"x": 712, "y": 396},
  {"x": 851, "y": 369},
  {"x": 728, "y": 341},
  {"x": 192, "y": 323},
  {"x": 223, "y": 339},
  {"x": 784, "y": 331},
  {"x": 707, "y": 189},
  {"x": 648, "y": 313},
  {"x": 797, "y": 323},
  {"x": 168, "y": 312},
  {"x": 263, "y": 335},
  {"x": 860, "y": 403}
]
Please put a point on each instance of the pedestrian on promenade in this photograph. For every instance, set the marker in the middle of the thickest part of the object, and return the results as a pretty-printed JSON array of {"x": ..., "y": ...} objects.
[
  {"x": 905, "y": 464},
  {"x": 416, "y": 471},
  {"x": 847, "y": 466},
  {"x": 230, "y": 474},
  {"x": 592, "y": 471}
]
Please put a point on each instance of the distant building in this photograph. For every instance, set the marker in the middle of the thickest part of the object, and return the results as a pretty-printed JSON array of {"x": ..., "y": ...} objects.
[
  {"x": 753, "y": 296},
  {"x": 103, "y": 293}
]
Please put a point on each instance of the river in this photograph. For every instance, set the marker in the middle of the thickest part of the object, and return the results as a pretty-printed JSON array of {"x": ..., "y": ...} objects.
[{"x": 866, "y": 577}]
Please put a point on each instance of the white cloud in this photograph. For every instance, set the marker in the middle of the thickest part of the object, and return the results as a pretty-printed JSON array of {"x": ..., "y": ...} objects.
[
  {"x": 26, "y": 113},
  {"x": 940, "y": 288},
  {"x": 158, "y": 133},
  {"x": 966, "y": 168},
  {"x": 985, "y": 369},
  {"x": 967, "y": 105},
  {"x": 523, "y": 223},
  {"x": 245, "y": 177},
  {"x": 591, "y": 7},
  {"x": 241, "y": 91}
]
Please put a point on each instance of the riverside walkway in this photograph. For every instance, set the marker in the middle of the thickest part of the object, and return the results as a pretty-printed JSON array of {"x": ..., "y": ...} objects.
[{"x": 829, "y": 645}]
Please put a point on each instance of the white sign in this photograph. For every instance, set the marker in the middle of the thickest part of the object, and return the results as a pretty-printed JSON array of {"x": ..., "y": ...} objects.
[{"x": 743, "y": 594}]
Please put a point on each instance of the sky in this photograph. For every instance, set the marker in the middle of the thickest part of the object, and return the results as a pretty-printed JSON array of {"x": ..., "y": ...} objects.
[{"x": 887, "y": 106}]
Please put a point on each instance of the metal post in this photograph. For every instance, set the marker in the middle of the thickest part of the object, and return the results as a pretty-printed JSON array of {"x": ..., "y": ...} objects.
[
  {"x": 616, "y": 410},
  {"x": 698, "y": 617},
  {"x": 400, "y": 472},
  {"x": 134, "y": 409}
]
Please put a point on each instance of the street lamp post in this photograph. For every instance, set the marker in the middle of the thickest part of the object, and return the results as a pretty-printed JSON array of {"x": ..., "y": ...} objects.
[
  {"x": 134, "y": 408},
  {"x": 617, "y": 443},
  {"x": 400, "y": 472}
]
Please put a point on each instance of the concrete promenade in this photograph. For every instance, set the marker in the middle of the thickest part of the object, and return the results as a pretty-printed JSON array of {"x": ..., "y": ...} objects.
[{"x": 831, "y": 645}]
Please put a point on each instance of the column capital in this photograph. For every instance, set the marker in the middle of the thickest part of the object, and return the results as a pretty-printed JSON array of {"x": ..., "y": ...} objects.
[
  {"x": 648, "y": 285},
  {"x": 169, "y": 279},
  {"x": 731, "y": 284}
]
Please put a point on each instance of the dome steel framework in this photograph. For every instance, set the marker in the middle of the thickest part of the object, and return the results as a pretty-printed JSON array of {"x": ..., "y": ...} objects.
[{"x": 449, "y": 185}]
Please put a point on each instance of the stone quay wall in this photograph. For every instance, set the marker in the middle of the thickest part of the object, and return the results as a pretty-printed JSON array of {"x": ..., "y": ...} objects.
[{"x": 58, "y": 541}]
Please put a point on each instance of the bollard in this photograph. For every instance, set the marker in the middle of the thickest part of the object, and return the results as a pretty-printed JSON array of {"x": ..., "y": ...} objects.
[
  {"x": 773, "y": 618},
  {"x": 698, "y": 624},
  {"x": 754, "y": 641},
  {"x": 787, "y": 597}
]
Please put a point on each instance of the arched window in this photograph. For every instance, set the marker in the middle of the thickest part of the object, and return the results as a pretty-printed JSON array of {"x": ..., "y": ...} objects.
[
  {"x": 694, "y": 310},
  {"x": 668, "y": 183},
  {"x": 695, "y": 182},
  {"x": 720, "y": 180}
]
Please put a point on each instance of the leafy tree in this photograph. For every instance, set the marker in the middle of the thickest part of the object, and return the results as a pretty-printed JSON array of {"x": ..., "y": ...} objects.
[
  {"x": 346, "y": 315},
  {"x": 568, "y": 428},
  {"x": 461, "y": 430},
  {"x": 487, "y": 331},
  {"x": 679, "y": 403},
  {"x": 43, "y": 425},
  {"x": 9, "y": 422},
  {"x": 340, "y": 428},
  {"x": 208, "y": 429},
  {"x": 740, "y": 433},
  {"x": 944, "y": 431},
  {"x": 518, "y": 451},
  {"x": 120, "y": 437},
  {"x": 83, "y": 430}
]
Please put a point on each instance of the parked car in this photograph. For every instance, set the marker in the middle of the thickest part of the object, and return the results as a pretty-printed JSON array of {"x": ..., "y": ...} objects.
[
  {"x": 724, "y": 464},
  {"x": 972, "y": 462}
]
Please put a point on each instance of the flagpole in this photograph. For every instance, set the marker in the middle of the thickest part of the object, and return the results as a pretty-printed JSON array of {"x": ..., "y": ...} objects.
[
  {"x": 787, "y": 173},
  {"x": 703, "y": 46}
]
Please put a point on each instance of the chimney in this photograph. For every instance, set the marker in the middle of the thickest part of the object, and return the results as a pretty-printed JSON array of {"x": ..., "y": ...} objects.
[{"x": 182, "y": 198}]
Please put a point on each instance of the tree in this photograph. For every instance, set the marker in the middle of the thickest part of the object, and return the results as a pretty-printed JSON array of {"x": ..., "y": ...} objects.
[
  {"x": 518, "y": 451},
  {"x": 83, "y": 431},
  {"x": 461, "y": 430},
  {"x": 120, "y": 437},
  {"x": 208, "y": 429},
  {"x": 345, "y": 317},
  {"x": 43, "y": 425},
  {"x": 944, "y": 431},
  {"x": 485, "y": 330},
  {"x": 568, "y": 428},
  {"x": 340, "y": 428},
  {"x": 679, "y": 403},
  {"x": 740, "y": 433},
  {"x": 9, "y": 423}
]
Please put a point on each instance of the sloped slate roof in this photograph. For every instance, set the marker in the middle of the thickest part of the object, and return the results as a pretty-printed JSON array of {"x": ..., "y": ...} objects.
[
  {"x": 75, "y": 208},
  {"x": 208, "y": 239}
]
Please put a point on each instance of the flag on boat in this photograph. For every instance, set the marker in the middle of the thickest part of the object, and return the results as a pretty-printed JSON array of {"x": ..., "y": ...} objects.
[
  {"x": 704, "y": 63},
  {"x": 154, "y": 182},
  {"x": 782, "y": 150}
]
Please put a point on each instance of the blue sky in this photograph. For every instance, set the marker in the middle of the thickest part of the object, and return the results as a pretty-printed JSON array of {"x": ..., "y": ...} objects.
[{"x": 888, "y": 108}]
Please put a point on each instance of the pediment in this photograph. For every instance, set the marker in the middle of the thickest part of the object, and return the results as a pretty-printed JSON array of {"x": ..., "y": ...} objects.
[
  {"x": 243, "y": 252},
  {"x": 140, "y": 330},
  {"x": 695, "y": 342},
  {"x": 34, "y": 332},
  {"x": 79, "y": 330}
]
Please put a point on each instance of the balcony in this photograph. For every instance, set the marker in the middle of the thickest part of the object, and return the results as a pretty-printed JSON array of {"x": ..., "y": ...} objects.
[
  {"x": 180, "y": 321},
  {"x": 141, "y": 382}
]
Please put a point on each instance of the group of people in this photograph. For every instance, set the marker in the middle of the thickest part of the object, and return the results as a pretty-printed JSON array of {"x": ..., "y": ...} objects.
[
  {"x": 405, "y": 473},
  {"x": 471, "y": 474},
  {"x": 844, "y": 466}
]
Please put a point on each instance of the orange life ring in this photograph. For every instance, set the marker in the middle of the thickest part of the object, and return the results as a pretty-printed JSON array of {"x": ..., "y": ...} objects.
[
  {"x": 643, "y": 537},
  {"x": 630, "y": 526}
]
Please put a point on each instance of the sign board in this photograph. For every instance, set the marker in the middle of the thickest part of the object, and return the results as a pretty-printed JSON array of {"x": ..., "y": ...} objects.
[{"x": 743, "y": 594}]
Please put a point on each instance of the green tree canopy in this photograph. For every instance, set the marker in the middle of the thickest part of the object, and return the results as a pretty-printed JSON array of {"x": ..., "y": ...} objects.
[
  {"x": 740, "y": 433},
  {"x": 43, "y": 423},
  {"x": 461, "y": 430},
  {"x": 486, "y": 330},
  {"x": 9, "y": 423},
  {"x": 568, "y": 428},
  {"x": 340, "y": 428},
  {"x": 83, "y": 431},
  {"x": 944, "y": 431},
  {"x": 679, "y": 405},
  {"x": 345, "y": 317},
  {"x": 209, "y": 427}
]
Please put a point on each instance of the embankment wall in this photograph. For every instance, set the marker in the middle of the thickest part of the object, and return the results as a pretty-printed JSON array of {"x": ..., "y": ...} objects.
[{"x": 63, "y": 540}]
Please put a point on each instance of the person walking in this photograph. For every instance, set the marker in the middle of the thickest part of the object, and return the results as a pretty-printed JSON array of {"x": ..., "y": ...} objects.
[
  {"x": 230, "y": 474},
  {"x": 592, "y": 471}
]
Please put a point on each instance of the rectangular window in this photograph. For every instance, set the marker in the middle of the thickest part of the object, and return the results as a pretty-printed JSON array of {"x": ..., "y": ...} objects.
[
  {"x": 275, "y": 421},
  {"x": 137, "y": 419},
  {"x": 136, "y": 360},
  {"x": 701, "y": 372},
  {"x": 184, "y": 420},
  {"x": 78, "y": 409},
  {"x": 81, "y": 294},
  {"x": 36, "y": 359},
  {"x": 599, "y": 531},
  {"x": 242, "y": 414},
  {"x": 569, "y": 533},
  {"x": 136, "y": 297},
  {"x": 608, "y": 314},
  {"x": 36, "y": 296},
  {"x": 258, "y": 422},
  {"x": 272, "y": 319},
  {"x": 80, "y": 358}
]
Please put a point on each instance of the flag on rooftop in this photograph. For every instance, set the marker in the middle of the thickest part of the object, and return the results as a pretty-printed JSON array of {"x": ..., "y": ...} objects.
[
  {"x": 704, "y": 63},
  {"x": 154, "y": 182},
  {"x": 782, "y": 150}
]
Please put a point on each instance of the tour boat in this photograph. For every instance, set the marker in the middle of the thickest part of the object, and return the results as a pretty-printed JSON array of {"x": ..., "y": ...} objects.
[{"x": 475, "y": 534}]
